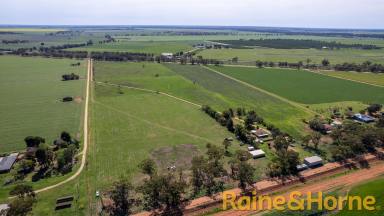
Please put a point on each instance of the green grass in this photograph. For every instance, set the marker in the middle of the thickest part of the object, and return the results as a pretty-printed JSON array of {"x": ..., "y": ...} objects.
[
  {"x": 306, "y": 87},
  {"x": 273, "y": 110},
  {"x": 140, "y": 47},
  {"x": 30, "y": 91},
  {"x": 249, "y": 56},
  {"x": 372, "y": 188},
  {"x": 372, "y": 78}
]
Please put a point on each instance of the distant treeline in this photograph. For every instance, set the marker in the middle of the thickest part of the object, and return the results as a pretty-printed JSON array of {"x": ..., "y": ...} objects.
[
  {"x": 64, "y": 46},
  {"x": 294, "y": 44},
  {"x": 122, "y": 56},
  {"x": 14, "y": 41},
  {"x": 8, "y": 32},
  {"x": 51, "y": 53},
  {"x": 180, "y": 33}
]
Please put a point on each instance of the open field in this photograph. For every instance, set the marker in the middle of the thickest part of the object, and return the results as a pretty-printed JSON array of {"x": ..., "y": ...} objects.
[
  {"x": 295, "y": 55},
  {"x": 31, "y": 90},
  {"x": 140, "y": 47},
  {"x": 273, "y": 110},
  {"x": 306, "y": 87},
  {"x": 372, "y": 78}
]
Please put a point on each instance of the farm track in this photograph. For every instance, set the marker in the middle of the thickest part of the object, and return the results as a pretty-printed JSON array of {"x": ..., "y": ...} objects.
[
  {"x": 152, "y": 91},
  {"x": 153, "y": 123},
  {"x": 297, "y": 105},
  {"x": 85, "y": 136}
]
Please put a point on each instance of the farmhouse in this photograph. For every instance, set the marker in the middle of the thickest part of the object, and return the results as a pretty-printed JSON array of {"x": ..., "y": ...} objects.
[
  {"x": 7, "y": 162},
  {"x": 260, "y": 133},
  {"x": 314, "y": 161},
  {"x": 257, "y": 153},
  {"x": 363, "y": 118}
]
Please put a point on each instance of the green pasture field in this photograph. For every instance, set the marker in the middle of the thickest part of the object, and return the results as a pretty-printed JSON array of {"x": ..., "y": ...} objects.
[
  {"x": 372, "y": 188},
  {"x": 306, "y": 87},
  {"x": 36, "y": 38},
  {"x": 273, "y": 110},
  {"x": 201, "y": 86},
  {"x": 249, "y": 56},
  {"x": 140, "y": 47},
  {"x": 371, "y": 78},
  {"x": 30, "y": 91}
]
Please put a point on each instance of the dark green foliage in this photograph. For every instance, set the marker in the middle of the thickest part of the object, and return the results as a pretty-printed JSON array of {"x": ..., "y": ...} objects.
[
  {"x": 34, "y": 141},
  {"x": 294, "y": 44},
  {"x": 122, "y": 196},
  {"x": 71, "y": 76},
  {"x": 148, "y": 167}
]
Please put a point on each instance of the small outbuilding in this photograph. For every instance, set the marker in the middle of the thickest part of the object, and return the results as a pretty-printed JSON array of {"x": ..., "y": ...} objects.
[
  {"x": 4, "y": 209},
  {"x": 257, "y": 153},
  {"x": 363, "y": 118},
  {"x": 251, "y": 148},
  {"x": 314, "y": 161},
  {"x": 301, "y": 167},
  {"x": 7, "y": 162}
]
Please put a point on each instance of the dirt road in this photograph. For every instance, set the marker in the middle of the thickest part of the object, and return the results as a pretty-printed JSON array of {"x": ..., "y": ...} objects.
[
  {"x": 85, "y": 135},
  {"x": 330, "y": 184}
]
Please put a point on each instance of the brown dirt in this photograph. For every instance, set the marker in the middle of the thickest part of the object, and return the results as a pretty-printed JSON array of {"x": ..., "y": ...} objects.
[
  {"x": 179, "y": 156},
  {"x": 349, "y": 180},
  {"x": 78, "y": 99}
]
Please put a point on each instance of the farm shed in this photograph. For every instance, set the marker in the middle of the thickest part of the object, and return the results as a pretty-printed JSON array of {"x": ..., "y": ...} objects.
[
  {"x": 363, "y": 118},
  {"x": 4, "y": 209},
  {"x": 314, "y": 161},
  {"x": 7, "y": 162},
  {"x": 167, "y": 55},
  {"x": 257, "y": 153},
  {"x": 251, "y": 148},
  {"x": 260, "y": 133}
]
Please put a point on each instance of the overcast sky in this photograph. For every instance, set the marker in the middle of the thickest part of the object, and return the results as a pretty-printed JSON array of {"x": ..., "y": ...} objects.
[{"x": 282, "y": 13}]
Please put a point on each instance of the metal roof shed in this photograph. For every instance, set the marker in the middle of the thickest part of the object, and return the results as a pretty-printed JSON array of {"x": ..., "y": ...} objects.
[
  {"x": 313, "y": 161},
  {"x": 7, "y": 162},
  {"x": 257, "y": 153}
]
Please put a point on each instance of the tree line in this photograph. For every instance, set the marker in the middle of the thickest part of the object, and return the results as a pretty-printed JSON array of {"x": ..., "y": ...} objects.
[{"x": 295, "y": 44}]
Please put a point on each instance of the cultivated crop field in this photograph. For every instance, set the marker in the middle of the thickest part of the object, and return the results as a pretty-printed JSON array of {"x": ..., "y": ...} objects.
[
  {"x": 202, "y": 86},
  {"x": 306, "y": 87},
  {"x": 273, "y": 110},
  {"x": 155, "y": 47},
  {"x": 295, "y": 55},
  {"x": 31, "y": 90},
  {"x": 371, "y": 78}
]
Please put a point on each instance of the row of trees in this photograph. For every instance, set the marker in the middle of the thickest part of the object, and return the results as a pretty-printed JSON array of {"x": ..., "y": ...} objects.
[
  {"x": 168, "y": 193},
  {"x": 122, "y": 56},
  {"x": 16, "y": 41},
  {"x": 294, "y": 44}
]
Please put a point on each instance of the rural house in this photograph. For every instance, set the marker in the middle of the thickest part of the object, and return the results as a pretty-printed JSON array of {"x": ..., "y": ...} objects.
[
  {"x": 260, "y": 133},
  {"x": 363, "y": 118}
]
